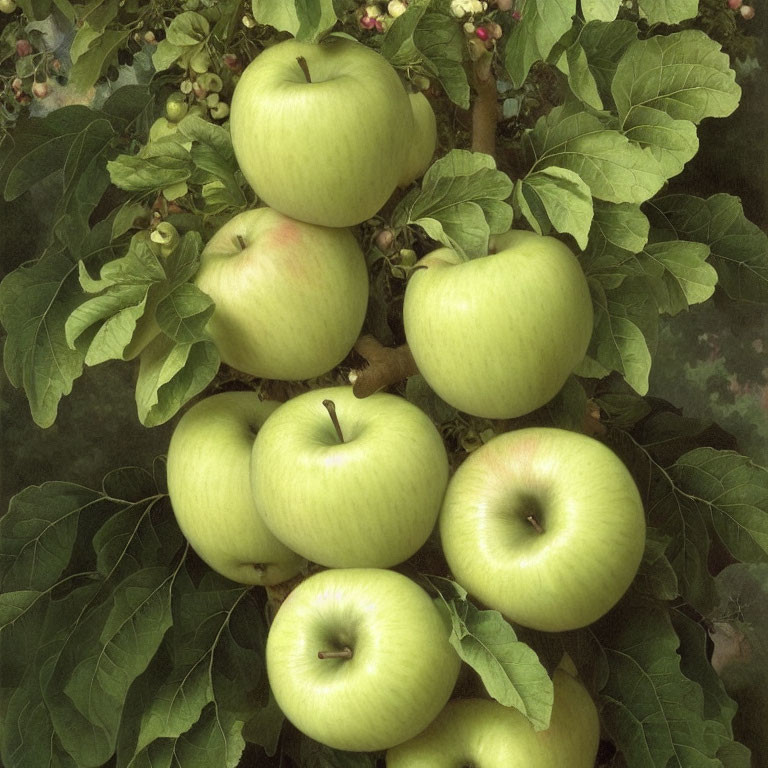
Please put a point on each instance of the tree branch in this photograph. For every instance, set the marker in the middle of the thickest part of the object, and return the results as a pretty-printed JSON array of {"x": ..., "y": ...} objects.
[{"x": 386, "y": 366}]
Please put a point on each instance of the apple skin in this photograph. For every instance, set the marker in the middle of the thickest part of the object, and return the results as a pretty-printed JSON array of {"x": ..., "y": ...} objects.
[
  {"x": 209, "y": 486},
  {"x": 486, "y": 734},
  {"x": 423, "y": 143},
  {"x": 291, "y": 304},
  {"x": 328, "y": 152},
  {"x": 498, "y": 336},
  {"x": 369, "y": 502},
  {"x": 588, "y": 506},
  {"x": 402, "y": 671}
]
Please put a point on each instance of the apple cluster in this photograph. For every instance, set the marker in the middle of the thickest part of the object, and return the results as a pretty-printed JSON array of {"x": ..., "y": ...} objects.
[{"x": 333, "y": 491}]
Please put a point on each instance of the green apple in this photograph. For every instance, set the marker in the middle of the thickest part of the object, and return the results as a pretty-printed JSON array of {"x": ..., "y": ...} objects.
[
  {"x": 209, "y": 486},
  {"x": 485, "y": 734},
  {"x": 359, "y": 658},
  {"x": 498, "y": 336},
  {"x": 544, "y": 525},
  {"x": 365, "y": 495},
  {"x": 290, "y": 297},
  {"x": 321, "y": 131},
  {"x": 423, "y": 142}
]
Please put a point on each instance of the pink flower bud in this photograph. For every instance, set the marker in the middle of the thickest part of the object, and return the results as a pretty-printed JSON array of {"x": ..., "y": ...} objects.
[
  {"x": 384, "y": 239},
  {"x": 379, "y": 25},
  {"x": 482, "y": 33},
  {"x": 516, "y": 15},
  {"x": 734, "y": 5},
  {"x": 17, "y": 84},
  {"x": 40, "y": 90},
  {"x": 747, "y": 12},
  {"x": 23, "y": 48},
  {"x": 367, "y": 22}
]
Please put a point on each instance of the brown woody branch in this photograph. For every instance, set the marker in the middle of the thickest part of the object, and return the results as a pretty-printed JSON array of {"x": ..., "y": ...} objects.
[
  {"x": 484, "y": 108},
  {"x": 386, "y": 366}
]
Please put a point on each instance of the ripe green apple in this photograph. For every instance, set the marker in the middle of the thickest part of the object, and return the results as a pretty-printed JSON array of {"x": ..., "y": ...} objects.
[
  {"x": 544, "y": 525},
  {"x": 498, "y": 336},
  {"x": 485, "y": 734},
  {"x": 359, "y": 658},
  {"x": 423, "y": 142},
  {"x": 209, "y": 486},
  {"x": 329, "y": 151},
  {"x": 370, "y": 500},
  {"x": 290, "y": 297}
]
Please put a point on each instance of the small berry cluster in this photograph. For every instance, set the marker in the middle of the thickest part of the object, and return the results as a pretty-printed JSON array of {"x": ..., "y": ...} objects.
[
  {"x": 37, "y": 84},
  {"x": 371, "y": 17},
  {"x": 747, "y": 11}
]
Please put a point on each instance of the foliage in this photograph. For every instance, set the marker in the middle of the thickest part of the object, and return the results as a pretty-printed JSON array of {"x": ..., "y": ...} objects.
[{"x": 119, "y": 647}]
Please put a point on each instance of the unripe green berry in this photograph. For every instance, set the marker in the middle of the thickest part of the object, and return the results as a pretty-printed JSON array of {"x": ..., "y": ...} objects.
[{"x": 176, "y": 107}]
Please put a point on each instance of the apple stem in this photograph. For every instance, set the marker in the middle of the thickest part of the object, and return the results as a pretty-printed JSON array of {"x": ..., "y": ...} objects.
[
  {"x": 345, "y": 653},
  {"x": 535, "y": 523},
  {"x": 304, "y": 67},
  {"x": 241, "y": 242},
  {"x": 331, "y": 408}
]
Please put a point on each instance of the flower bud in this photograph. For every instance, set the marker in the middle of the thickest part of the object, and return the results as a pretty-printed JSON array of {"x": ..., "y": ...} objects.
[
  {"x": 17, "y": 84},
  {"x": 149, "y": 37},
  {"x": 7, "y": 6},
  {"x": 40, "y": 90},
  {"x": 220, "y": 110},
  {"x": 199, "y": 92},
  {"x": 495, "y": 31},
  {"x": 747, "y": 12},
  {"x": 186, "y": 87},
  {"x": 232, "y": 62},
  {"x": 505, "y": 5},
  {"x": 469, "y": 28},
  {"x": 248, "y": 21},
  {"x": 384, "y": 239},
  {"x": 23, "y": 48},
  {"x": 211, "y": 82},
  {"x": 734, "y": 5},
  {"x": 373, "y": 11},
  {"x": 396, "y": 8},
  {"x": 482, "y": 33},
  {"x": 461, "y": 8},
  {"x": 516, "y": 15},
  {"x": 380, "y": 26},
  {"x": 366, "y": 22}
]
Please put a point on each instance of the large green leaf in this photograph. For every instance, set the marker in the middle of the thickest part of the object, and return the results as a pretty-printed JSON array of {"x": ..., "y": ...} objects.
[
  {"x": 739, "y": 248},
  {"x": 614, "y": 168},
  {"x": 543, "y": 23},
  {"x": 460, "y": 203}
]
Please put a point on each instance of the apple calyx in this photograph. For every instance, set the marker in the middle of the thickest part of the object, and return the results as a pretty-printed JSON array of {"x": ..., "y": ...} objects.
[
  {"x": 344, "y": 653},
  {"x": 304, "y": 67},
  {"x": 330, "y": 406},
  {"x": 241, "y": 242},
  {"x": 535, "y": 523}
]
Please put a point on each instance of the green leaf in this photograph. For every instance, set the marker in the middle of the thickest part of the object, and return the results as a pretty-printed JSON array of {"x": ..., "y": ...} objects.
[
  {"x": 600, "y": 10},
  {"x": 170, "y": 374},
  {"x": 732, "y": 493},
  {"x": 668, "y": 11},
  {"x": 672, "y": 142},
  {"x": 678, "y": 274},
  {"x": 460, "y": 203},
  {"x": 441, "y": 43},
  {"x": 187, "y": 29},
  {"x": 104, "y": 654},
  {"x": 684, "y": 74},
  {"x": 165, "y": 163},
  {"x": 217, "y": 676},
  {"x": 656, "y": 577},
  {"x": 93, "y": 63},
  {"x": 575, "y": 66},
  {"x": 183, "y": 314},
  {"x": 304, "y": 19},
  {"x": 398, "y": 46},
  {"x": 166, "y": 54},
  {"x": 311, "y": 754},
  {"x": 604, "y": 44},
  {"x": 542, "y": 24},
  {"x": 509, "y": 669},
  {"x": 653, "y": 713},
  {"x": 679, "y": 518},
  {"x": 556, "y": 198},
  {"x": 615, "y": 169},
  {"x": 739, "y": 249},
  {"x": 568, "y": 407},
  {"x": 618, "y": 343}
]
